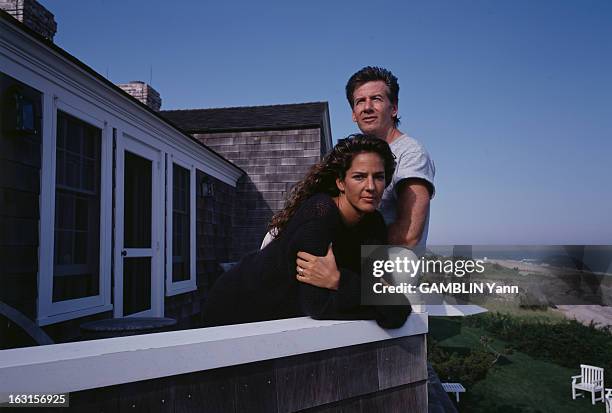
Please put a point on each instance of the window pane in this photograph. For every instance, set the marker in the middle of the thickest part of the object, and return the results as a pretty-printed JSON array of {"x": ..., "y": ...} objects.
[
  {"x": 64, "y": 253},
  {"x": 88, "y": 181},
  {"x": 74, "y": 137},
  {"x": 72, "y": 286},
  {"x": 64, "y": 211},
  {"x": 137, "y": 202},
  {"x": 60, "y": 169},
  {"x": 136, "y": 285},
  {"x": 81, "y": 214},
  {"x": 77, "y": 211},
  {"x": 80, "y": 247},
  {"x": 61, "y": 132},
  {"x": 180, "y": 224},
  {"x": 89, "y": 144},
  {"x": 73, "y": 171}
]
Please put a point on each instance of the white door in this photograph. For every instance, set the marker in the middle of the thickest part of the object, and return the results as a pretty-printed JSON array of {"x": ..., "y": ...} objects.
[{"x": 138, "y": 289}]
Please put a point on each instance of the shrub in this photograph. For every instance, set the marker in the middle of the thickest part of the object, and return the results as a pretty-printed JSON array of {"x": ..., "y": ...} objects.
[
  {"x": 452, "y": 366},
  {"x": 567, "y": 343}
]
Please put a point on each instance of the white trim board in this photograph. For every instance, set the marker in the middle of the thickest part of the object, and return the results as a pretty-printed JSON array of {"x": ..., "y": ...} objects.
[
  {"x": 70, "y": 367},
  {"x": 448, "y": 310}
]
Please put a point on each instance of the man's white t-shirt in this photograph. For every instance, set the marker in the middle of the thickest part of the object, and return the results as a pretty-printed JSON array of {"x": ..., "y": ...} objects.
[{"x": 412, "y": 161}]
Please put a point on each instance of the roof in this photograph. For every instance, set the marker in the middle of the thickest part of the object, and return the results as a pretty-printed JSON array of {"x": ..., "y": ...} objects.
[
  {"x": 250, "y": 118},
  {"x": 63, "y": 53}
]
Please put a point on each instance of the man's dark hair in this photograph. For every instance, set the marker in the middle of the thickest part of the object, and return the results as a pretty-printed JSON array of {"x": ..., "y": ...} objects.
[{"x": 373, "y": 73}]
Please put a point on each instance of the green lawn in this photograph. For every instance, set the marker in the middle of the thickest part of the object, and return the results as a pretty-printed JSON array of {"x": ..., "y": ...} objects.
[{"x": 517, "y": 383}]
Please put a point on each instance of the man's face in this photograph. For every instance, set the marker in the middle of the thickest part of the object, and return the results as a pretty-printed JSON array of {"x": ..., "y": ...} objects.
[{"x": 372, "y": 109}]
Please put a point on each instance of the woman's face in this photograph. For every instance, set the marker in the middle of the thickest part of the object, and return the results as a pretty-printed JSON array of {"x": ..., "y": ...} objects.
[{"x": 364, "y": 183}]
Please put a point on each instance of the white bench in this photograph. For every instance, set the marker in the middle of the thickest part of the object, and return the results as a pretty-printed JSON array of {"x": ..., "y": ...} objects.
[
  {"x": 608, "y": 400},
  {"x": 591, "y": 380},
  {"x": 454, "y": 388}
]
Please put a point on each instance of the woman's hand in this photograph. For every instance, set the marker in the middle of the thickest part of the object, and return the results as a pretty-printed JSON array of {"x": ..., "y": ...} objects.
[{"x": 318, "y": 271}]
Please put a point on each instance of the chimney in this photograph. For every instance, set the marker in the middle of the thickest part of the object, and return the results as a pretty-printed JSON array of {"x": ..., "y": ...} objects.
[
  {"x": 143, "y": 92},
  {"x": 32, "y": 14}
]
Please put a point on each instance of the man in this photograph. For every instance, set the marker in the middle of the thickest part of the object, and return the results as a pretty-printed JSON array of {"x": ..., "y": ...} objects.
[{"x": 373, "y": 94}]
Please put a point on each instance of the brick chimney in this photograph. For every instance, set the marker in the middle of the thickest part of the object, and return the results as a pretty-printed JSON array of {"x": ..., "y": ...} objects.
[
  {"x": 32, "y": 14},
  {"x": 143, "y": 92}
]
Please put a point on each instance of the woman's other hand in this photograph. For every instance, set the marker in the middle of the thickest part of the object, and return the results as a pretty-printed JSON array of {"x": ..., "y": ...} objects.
[{"x": 318, "y": 271}]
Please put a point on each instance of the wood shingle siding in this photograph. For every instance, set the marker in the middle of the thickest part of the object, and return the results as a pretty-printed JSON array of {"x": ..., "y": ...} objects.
[
  {"x": 275, "y": 145},
  {"x": 20, "y": 163},
  {"x": 274, "y": 161},
  {"x": 19, "y": 176},
  {"x": 17, "y": 203},
  {"x": 361, "y": 378}
]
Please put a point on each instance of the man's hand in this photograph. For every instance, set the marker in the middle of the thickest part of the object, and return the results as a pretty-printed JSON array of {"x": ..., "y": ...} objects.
[
  {"x": 412, "y": 208},
  {"x": 318, "y": 271}
]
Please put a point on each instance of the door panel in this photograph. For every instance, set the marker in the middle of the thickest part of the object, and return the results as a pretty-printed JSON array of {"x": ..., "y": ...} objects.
[
  {"x": 137, "y": 222},
  {"x": 136, "y": 285},
  {"x": 138, "y": 275}
]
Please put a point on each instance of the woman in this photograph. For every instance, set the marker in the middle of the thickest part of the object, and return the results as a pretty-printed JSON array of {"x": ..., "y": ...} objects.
[{"x": 330, "y": 214}]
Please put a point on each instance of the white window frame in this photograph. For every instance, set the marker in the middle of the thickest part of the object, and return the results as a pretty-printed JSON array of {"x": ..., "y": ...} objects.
[
  {"x": 180, "y": 287},
  {"x": 50, "y": 312}
]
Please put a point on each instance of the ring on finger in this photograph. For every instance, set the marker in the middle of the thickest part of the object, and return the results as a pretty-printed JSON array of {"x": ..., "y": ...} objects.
[{"x": 300, "y": 270}]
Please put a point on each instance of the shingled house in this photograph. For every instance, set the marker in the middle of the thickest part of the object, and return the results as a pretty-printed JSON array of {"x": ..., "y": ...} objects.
[
  {"x": 275, "y": 145},
  {"x": 107, "y": 208},
  {"x": 104, "y": 206}
]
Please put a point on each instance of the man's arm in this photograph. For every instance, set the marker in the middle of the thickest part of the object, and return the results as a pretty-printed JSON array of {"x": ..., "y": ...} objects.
[{"x": 413, "y": 195}]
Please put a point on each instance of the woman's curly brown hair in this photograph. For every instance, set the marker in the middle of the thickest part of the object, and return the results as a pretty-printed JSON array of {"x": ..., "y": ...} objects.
[{"x": 321, "y": 178}]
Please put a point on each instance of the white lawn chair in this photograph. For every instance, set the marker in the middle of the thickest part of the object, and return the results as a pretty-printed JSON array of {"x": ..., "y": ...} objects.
[
  {"x": 454, "y": 388},
  {"x": 608, "y": 400},
  {"x": 591, "y": 380}
]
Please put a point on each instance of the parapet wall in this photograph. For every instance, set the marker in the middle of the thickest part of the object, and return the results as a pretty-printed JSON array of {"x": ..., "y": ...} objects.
[{"x": 275, "y": 366}]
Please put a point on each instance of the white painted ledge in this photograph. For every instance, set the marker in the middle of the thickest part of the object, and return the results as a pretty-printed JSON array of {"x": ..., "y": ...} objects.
[
  {"x": 449, "y": 310},
  {"x": 70, "y": 367}
]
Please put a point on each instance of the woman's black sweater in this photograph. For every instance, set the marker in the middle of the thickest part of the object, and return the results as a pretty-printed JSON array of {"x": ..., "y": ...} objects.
[{"x": 263, "y": 285}]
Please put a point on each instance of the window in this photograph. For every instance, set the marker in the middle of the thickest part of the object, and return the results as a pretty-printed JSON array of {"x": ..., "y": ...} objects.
[
  {"x": 75, "y": 212},
  {"x": 180, "y": 269},
  {"x": 76, "y": 261},
  {"x": 180, "y": 224}
]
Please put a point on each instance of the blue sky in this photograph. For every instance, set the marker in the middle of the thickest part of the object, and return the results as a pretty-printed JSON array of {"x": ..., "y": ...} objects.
[{"x": 513, "y": 99}]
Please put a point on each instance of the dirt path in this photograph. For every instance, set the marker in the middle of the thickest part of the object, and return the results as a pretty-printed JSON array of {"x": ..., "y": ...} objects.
[{"x": 600, "y": 315}]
